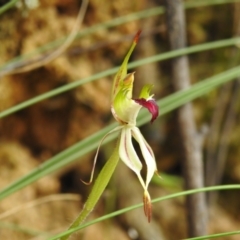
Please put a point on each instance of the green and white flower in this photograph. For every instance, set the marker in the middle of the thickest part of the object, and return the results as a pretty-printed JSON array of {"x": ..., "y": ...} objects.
[{"x": 125, "y": 110}]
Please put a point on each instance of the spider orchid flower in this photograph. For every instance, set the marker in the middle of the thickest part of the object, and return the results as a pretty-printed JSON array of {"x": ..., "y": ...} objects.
[{"x": 125, "y": 110}]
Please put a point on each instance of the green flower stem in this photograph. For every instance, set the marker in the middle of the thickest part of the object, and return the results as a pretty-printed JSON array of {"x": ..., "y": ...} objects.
[{"x": 97, "y": 190}]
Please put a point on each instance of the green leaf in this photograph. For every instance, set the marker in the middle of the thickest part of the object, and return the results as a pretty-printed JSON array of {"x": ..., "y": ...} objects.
[
  {"x": 7, "y": 6},
  {"x": 159, "y": 57},
  {"x": 76, "y": 151},
  {"x": 170, "y": 196}
]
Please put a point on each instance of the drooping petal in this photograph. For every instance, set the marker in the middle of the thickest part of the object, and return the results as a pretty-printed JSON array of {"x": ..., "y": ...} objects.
[
  {"x": 151, "y": 106},
  {"x": 96, "y": 155},
  {"x": 147, "y": 154},
  {"x": 128, "y": 154}
]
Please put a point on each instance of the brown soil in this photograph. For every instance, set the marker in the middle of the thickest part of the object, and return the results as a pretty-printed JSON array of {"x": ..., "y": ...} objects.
[{"x": 33, "y": 135}]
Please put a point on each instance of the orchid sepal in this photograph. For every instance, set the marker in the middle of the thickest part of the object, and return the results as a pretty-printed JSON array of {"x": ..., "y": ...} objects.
[
  {"x": 96, "y": 154},
  {"x": 122, "y": 72},
  {"x": 147, "y": 153}
]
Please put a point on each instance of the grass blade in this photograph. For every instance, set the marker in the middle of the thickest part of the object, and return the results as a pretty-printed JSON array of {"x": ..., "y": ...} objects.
[
  {"x": 170, "y": 196},
  {"x": 76, "y": 151},
  {"x": 159, "y": 57}
]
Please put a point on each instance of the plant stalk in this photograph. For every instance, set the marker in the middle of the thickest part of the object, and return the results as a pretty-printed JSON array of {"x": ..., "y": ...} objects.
[{"x": 97, "y": 190}]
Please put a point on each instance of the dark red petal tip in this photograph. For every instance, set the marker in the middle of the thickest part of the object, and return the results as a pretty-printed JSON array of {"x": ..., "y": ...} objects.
[
  {"x": 151, "y": 105},
  {"x": 136, "y": 37}
]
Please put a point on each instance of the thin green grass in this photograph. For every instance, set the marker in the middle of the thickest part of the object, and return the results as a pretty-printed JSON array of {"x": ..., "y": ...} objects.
[
  {"x": 19, "y": 228},
  {"x": 90, "y": 30},
  {"x": 170, "y": 196},
  {"x": 156, "y": 58},
  {"x": 7, "y": 6},
  {"x": 166, "y": 104},
  {"x": 217, "y": 235},
  {"x": 76, "y": 151}
]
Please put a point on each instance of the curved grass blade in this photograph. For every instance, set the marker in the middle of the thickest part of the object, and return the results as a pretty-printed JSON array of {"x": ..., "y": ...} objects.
[
  {"x": 76, "y": 151},
  {"x": 23, "y": 229},
  {"x": 217, "y": 235},
  {"x": 159, "y": 57},
  {"x": 170, "y": 196},
  {"x": 18, "y": 61},
  {"x": 179, "y": 98},
  {"x": 7, "y": 6}
]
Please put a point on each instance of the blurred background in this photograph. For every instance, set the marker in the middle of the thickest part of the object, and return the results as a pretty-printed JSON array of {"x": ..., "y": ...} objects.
[{"x": 31, "y": 136}]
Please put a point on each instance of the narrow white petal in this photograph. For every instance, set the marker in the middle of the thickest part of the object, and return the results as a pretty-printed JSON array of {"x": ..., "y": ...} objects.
[
  {"x": 127, "y": 152},
  {"x": 147, "y": 154},
  {"x": 98, "y": 148}
]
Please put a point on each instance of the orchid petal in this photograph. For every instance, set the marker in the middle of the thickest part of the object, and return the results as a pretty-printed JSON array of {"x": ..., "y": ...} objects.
[
  {"x": 98, "y": 148},
  {"x": 145, "y": 92},
  {"x": 151, "y": 106},
  {"x": 122, "y": 72},
  {"x": 128, "y": 154},
  {"x": 147, "y": 154}
]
